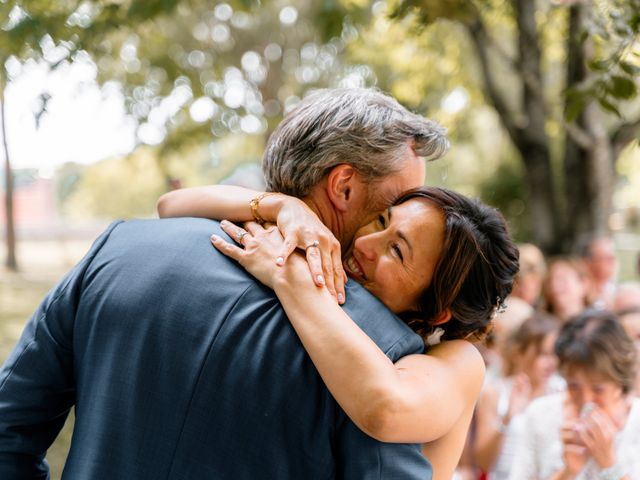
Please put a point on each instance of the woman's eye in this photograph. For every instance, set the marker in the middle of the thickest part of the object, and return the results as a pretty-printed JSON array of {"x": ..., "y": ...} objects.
[
  {"x": 398, "y": 252},
  {"x": 382, "y": 220}
]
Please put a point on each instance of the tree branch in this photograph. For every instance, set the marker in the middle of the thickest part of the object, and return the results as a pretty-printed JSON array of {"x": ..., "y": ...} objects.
[
  {"x": 529, "y": 60},
  {"x": 501, "y": 52},
  {"x": 578, "y": 135},
  {"x": 480, "y": 38},
  {"x": 624, "y": 134}
]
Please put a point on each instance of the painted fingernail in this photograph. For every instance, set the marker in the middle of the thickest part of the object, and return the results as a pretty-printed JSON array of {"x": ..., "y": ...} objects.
[
  {"x": 320, "y": 280},
  {"x": 214, "y": 238},
  {"x": 280, "y": 261},
  {"x": 224, "y": 223},
  {"x": 340, "y": 298}
]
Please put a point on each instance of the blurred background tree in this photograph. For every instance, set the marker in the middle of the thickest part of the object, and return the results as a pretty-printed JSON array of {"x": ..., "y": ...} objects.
[
  {"x": 561, "y": 77},
  {"x": 539, "y": 96}
]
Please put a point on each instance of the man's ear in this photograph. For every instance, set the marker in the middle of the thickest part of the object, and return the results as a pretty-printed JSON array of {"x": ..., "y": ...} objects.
[
  {"x": 442, "y": 317},
  {"x": 344, "y": 186}
]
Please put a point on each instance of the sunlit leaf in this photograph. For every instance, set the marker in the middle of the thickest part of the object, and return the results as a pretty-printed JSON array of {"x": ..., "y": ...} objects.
[
  {"x": 599, "y": 65},
  {"x": 575, "y": 103},
  {"x": 630, "y": 68},
  {"x": 622, "y": 87},
  {"x": 608, "y": 106}
]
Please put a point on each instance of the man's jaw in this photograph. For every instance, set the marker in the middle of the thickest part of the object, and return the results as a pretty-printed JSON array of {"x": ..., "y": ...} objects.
[{"x": 320, "y": 204}]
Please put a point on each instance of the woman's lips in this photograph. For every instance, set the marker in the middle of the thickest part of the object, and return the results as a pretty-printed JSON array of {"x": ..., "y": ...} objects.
[{"x": 353, "y": 268}]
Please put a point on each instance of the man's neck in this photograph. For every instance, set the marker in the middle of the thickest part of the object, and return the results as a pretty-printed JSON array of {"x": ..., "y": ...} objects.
[{"x": 319, "y": 202}]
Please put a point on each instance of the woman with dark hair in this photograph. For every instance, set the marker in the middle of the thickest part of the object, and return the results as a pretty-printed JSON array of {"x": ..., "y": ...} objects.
[
  {"x": 528, "y": 372},
  {"x": 591, "y": 431},
  {"x": 443, "y": 263}
]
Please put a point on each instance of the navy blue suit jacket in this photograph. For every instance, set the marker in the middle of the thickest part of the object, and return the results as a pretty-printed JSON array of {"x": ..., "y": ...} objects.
[{"x": 181, "y": 366}]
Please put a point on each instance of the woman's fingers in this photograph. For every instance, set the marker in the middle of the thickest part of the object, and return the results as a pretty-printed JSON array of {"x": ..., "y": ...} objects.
[
  {"x": 569, "y": 432},
  {"x": 587, "y": 438},
  {"x": 234, "y": 231},
  {"x": 254, "y": 228},
  {"x": 600, "y": 428},
  {"x": 314, "y": 259},
  {"x": 573, "y": 449},
  {"x": 338, "y": 272},
  {"x": 227, "y": 248},
  {"x": 322, "y": 252},
  {"x": 290, "y": 244},
  {"x": 327, "y": 268}
]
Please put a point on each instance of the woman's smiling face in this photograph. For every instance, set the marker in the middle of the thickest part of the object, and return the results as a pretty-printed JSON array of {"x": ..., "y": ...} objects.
[{"x": 395, "y": 255}]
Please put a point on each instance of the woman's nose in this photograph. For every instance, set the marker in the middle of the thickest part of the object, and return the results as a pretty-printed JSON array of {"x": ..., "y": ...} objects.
[
  {"x": 586, "y": 396},
  {"x": 368, "y": 246}
]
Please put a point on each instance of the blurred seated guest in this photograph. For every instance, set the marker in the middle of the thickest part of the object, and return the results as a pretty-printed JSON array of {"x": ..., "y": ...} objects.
[
  {"x": 504, "y": 323},
  {"x": 599, "y": 256},
  {"x": 591, "y": 431},
  {"x": 529, "y": 371},
  {"x": 566, "y": 288},
  {"x": 528, "y": 282},
  {"x": 627, "y": 297},
  {"x": 630, "y": 321},
  {"x": 627, "y": 305}
]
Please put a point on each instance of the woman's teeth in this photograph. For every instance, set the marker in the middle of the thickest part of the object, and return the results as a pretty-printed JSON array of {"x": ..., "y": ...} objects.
[{"x": 354, "y": 267}]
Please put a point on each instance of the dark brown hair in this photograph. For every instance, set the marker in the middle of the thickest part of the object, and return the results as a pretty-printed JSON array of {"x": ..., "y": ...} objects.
[
  {"x": 475, "y": 271},
  {"x": 595, "y": 341}
]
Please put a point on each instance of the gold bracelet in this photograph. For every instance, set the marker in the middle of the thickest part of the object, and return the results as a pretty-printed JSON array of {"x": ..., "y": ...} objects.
[{"x": 255, "y": 203}]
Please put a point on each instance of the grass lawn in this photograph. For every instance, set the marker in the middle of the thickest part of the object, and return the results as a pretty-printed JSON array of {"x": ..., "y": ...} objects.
[{"x": 42, "y": 264}]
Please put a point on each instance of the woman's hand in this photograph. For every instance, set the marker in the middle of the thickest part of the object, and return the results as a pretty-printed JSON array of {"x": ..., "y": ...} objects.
[
  {"x": 574, "y": 452},
  {"x": 520, "y": 395},
  {"x": 598, "y": 434},
  {"x": 260, "y": 248},
  {"x": 303, "y": 229}
]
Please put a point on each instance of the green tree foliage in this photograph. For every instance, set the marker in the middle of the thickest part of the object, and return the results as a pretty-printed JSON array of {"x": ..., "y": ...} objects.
[
  {"x": 561, "y": 76},
  {"x": 558, "y": 74},
  {"x": 191, "y": 71},
  {"x": 117, "y": 188}
]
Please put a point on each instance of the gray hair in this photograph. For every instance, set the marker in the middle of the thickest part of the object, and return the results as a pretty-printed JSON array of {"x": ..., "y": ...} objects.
[{"x": 361, "y": 127}]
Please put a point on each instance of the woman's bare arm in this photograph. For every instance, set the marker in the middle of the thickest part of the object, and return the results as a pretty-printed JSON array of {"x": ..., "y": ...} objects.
[
  {"x": 218, "y": 202},
  {"x": 298, "y": 223},
  {"x": 418, "y": 399}
]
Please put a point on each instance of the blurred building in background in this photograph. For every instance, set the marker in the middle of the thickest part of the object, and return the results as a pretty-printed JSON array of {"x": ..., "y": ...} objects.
[{"x": 35, "y": 206}]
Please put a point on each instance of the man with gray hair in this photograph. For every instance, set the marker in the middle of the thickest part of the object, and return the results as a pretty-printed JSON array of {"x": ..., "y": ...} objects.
[
  {"x": 180, "y": 365},
  {"x": 362, "y": 128}
]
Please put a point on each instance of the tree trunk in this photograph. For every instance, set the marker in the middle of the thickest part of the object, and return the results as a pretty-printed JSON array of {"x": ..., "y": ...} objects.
[
  {"x": 526, "y": 125},
  {"x": 11, "y": 262},
  {"x": 589, "y": 173},
  {"x": 576, "y": 188},
  {"x": 532, "y": 140},
  {"x": 600, "y": 170}
]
